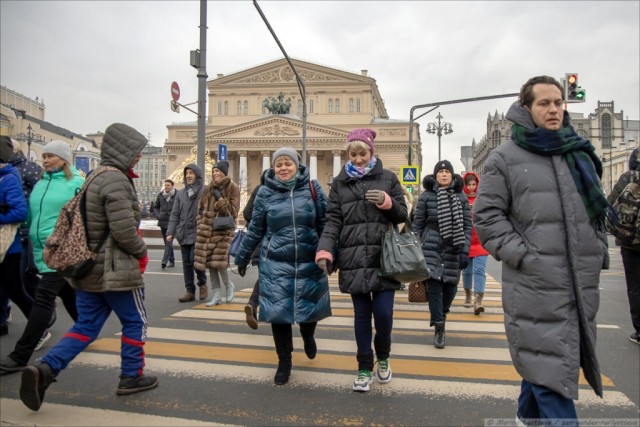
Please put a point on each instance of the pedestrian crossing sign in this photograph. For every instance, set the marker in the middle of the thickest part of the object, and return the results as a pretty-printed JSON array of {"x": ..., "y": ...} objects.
[{"x": 409, "y": 175}]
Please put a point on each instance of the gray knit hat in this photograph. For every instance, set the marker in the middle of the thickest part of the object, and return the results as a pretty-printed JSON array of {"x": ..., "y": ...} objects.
[
  {"x": 60, "y": 149},
  {"x": 286, "y": 151}
]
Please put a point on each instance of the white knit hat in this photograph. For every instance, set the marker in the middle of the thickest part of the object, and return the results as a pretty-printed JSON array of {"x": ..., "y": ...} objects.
[{"x": 60, "y": 149}]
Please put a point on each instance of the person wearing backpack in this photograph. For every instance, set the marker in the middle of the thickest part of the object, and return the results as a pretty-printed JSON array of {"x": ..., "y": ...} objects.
[
  {"x": 114, "y": 282},
  {"x": 58, "y": 185},
  {"x": 630, "y": 251}
]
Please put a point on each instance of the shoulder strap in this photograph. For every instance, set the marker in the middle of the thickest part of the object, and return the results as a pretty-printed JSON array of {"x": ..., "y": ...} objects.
[
  {"x": 83, "y": 207},
  {"x": 313, "y": 190}
]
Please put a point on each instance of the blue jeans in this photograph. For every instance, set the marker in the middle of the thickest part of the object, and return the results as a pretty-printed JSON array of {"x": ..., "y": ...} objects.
[
  {"x": 380, "y": 305},
  {"x": 168, "y": 255},
  {"x": 441, "y": 296},
  {"x": 537, "y": 402},
  {"x": 188, "y": 257},
  {"x": 474, "y": 275},
  {"x": 94, "y": 309}
]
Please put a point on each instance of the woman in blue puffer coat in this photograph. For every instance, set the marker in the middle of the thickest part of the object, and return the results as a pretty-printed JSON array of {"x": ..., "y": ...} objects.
[{"x": 288, "y": 219}]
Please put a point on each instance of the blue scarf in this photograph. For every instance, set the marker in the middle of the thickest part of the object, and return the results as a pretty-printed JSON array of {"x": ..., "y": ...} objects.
[
  {"x": 291, "y": 183},
  {"x": 356, "y": 172}
]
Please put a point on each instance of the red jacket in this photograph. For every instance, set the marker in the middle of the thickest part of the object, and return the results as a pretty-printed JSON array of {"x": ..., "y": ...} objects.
[{"x": 476, "y": 247}]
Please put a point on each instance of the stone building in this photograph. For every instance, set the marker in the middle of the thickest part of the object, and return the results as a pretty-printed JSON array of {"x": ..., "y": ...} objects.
[
  {"x": 23, "y": 119},
  {"x": 612, "y": 136},
  {"x": 152, "y": 171},
  {"x": 337, "y": 101}
]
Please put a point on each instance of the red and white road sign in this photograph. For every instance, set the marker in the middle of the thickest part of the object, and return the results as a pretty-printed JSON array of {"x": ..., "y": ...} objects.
[{"x": 175, "y": 91}]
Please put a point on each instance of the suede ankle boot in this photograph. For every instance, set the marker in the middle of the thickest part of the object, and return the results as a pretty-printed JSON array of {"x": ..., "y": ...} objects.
[
  {"x": 467, "y": 297},
  {"x": 477, "y": 306},
  {"x": 283, "y": 373},
  {"x": 35, "y": 381},
  {"x": 438, "y": 341}
]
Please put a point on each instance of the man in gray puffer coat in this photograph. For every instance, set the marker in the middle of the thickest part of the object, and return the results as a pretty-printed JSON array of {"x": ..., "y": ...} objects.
[
  {"x": 541, "y": 211},
  {"x": 115, "y": 282},
  {"x": 182, "y": 226}
]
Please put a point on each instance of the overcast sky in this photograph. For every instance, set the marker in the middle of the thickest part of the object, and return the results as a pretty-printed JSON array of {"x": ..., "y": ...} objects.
[{"x": 94, "y": 63}]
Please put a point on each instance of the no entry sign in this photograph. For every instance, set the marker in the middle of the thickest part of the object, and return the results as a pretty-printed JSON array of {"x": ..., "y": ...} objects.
[{"x": 175, "y": 91}]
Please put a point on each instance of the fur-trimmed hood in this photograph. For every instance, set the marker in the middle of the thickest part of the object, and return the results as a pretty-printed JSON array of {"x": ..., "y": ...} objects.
[{"x": 429, "y": 183}]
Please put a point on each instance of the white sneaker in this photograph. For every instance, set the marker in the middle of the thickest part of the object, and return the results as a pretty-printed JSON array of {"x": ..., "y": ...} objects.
[
  {"x": 384, "y": 371},
  {"x": 363, "y": 380},
  {"x": 44, "y": 339}
]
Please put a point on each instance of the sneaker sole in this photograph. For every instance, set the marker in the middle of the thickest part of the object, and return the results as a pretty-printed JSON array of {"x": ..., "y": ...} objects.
[
  {"x": 43, "y": 341},
  {"x": 29, "y": 388},
  {"x": 635, "y": 341},
  {"x": 251, "y": 321},
  {"x": 361, "y": 389},
  {"x": 384, "y": 381},
  {"x": 126, "y": 391}
]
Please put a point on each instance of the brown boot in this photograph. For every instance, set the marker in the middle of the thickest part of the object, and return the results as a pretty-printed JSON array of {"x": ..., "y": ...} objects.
[
  {"x": 189, "y": 296},
  {"x": 204, "y": 292},
  {"x": 467, "y": 297},
  {"x": 477, "y": 307}
]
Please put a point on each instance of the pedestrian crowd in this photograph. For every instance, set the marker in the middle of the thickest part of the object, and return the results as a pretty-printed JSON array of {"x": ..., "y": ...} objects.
[{"x": 538, "y": 207}]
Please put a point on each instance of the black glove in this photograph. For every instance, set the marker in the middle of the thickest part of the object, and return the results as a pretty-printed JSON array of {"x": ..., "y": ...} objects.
[
  {"x": 242, "y": 270},
  {"x": 463, "y": 260}
]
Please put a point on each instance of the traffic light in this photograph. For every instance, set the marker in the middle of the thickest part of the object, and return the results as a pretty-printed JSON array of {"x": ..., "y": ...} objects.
[{"x": 572, "y": 91}]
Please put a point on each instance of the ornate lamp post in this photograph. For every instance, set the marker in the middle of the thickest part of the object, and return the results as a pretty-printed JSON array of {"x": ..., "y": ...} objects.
[
  {"x": 30, "y": 137},
  {"x": 438, "y": 128}
]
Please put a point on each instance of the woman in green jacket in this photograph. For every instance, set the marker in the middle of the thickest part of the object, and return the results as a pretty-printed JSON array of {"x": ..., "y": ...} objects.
[{"x": 59, "y": 184}]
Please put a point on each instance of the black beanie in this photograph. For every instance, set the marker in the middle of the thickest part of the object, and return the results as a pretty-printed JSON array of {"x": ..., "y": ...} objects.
[
  {"x": 6, "y": 149},
  {"x": 443, "y": 164},
  {"x": 222, "y": 166}
]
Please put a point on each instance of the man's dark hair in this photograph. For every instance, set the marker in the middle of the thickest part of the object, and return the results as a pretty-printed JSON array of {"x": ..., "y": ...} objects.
[
  {"x": 526, "y": 91},
  {"x": 168, "y": 180}
]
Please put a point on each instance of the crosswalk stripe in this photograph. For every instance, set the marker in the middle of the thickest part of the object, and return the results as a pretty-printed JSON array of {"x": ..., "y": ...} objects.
[
  {"x": 340, "y": 382},
  {"x": 14, "y": 413},
  {"x": 414, "y": 325},
  {"x": 333, "y": 345}
]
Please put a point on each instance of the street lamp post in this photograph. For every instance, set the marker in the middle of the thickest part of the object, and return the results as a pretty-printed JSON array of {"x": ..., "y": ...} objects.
[{"x": 438, "y": 128}]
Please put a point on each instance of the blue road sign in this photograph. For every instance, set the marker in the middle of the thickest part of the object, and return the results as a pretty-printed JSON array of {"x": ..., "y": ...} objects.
[
  {"x": 222, "y": 152},
  {"x": 409, "y": 175}
]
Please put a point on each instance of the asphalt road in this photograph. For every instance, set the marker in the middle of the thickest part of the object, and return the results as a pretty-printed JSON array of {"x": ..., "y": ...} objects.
[{"x": 213, "y": 369}]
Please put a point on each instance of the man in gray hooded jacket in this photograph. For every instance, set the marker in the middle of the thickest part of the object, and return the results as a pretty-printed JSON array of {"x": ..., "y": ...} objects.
[
  {"x": 541, "y": 212},
  {"x": 182, "y": 226}
]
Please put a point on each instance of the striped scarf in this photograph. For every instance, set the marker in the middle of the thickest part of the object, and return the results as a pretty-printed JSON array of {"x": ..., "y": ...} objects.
[
  {"x": 355, "y": 172},
  {"x": 450, "y": 218},
  {"x": 584, "y": 164}
]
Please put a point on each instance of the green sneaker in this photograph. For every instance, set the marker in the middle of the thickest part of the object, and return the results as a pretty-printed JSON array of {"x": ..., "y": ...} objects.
[
  {"x": 384, "y": 371},
  {"x": 363, "y": 380}
]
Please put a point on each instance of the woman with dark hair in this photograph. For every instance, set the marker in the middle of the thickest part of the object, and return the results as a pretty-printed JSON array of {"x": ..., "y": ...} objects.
[
  {"x": 443, "y": 224},
  {"x": 59, "y": 183}
]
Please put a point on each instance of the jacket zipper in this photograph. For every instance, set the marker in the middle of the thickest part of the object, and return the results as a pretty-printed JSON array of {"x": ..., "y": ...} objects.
[{"x": 295, "y": 261}]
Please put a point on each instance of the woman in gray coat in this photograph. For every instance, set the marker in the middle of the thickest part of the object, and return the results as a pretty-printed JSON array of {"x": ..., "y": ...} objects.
[{"x": 540, "y": 211}]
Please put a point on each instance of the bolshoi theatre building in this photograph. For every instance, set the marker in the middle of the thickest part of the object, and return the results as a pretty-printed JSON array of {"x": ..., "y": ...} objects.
[{"x": 238, "y": 117}]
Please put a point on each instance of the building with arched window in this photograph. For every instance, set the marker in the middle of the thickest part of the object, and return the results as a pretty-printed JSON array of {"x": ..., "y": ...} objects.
[
  {"x": 252, "y": 137},
  {"x": 612, "y": 136}
]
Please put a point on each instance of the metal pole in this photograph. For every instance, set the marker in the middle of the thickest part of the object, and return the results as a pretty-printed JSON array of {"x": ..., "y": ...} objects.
[
  {"x": 29, "y": 137},
  {"x": 437, "y": 104},
  {"x": 202, "y": 84},
  {"x": 439, "y": 136},
  {"x": 301, "y": 88}
]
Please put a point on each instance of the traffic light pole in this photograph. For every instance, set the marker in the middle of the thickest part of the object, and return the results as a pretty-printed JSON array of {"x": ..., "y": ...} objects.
[{"x": 438, "y": 104}]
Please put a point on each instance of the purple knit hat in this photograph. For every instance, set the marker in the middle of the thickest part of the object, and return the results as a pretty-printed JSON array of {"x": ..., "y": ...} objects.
[{"x": 365, "y": 135}]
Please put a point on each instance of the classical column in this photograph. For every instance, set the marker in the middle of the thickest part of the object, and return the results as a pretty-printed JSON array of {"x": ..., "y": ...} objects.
[
  {"x": 313, "y": 164},
  {"x": 266, "y": 160},
  {"x": 337, "y": 162},
  {"x": 243, "y": 169}
]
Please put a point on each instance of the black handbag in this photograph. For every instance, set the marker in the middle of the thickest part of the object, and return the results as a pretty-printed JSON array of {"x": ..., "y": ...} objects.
[
  {"x": 223, "y": 223},
  {"x": 401, "y": 256}
]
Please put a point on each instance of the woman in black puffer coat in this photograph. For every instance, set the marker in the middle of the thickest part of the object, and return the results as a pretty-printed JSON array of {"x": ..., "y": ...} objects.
[
  {"x": 364, "y": 201},
  {"x": 443, "y": 224}
]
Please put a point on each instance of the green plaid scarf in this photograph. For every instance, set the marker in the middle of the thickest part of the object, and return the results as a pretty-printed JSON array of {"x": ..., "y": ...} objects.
[{"x": 584, "y": 164}]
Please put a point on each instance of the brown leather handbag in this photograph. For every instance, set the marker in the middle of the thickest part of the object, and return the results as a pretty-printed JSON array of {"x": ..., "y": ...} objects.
[{"x": 418, "y": 292}]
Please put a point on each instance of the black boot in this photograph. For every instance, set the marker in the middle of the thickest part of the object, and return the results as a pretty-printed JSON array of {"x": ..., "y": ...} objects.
[
  {"x": 438, "y": 340},
  {"x": 307, "y": 331},
  {"x": 283, "y": 338},
  {"x": 35, "y": 381}
]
